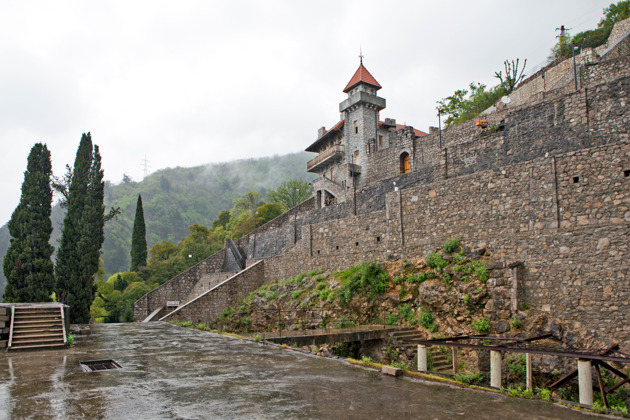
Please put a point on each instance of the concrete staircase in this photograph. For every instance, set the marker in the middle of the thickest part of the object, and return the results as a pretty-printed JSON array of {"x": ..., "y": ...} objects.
[
  {"x": 408, "y": 338},
  {"x": 37, "y": 328}
]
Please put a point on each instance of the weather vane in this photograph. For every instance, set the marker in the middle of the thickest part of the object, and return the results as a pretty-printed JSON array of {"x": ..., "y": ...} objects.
[{"x": 361, "y": 54}]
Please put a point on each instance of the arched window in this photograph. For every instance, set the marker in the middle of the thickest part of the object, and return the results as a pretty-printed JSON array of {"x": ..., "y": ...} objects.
[{"x": 404, "y": 163}]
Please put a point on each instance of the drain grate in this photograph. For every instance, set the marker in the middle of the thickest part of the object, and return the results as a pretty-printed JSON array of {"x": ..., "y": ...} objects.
[{"x": 98, "y": 365}]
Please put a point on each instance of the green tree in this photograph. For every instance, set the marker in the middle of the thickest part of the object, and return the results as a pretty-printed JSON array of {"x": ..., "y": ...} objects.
[
  {"x": 614, "y": 13},
  {"x": 138, "y": 239},
  {"x": 464, "y": 105},
  {"x": 27, "y": 264},
  {"x": 290, "y": 193},
  {"x": 82, "y": 234}
]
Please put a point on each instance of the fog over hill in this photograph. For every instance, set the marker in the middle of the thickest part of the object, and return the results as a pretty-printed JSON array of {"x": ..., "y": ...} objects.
[{"x": 175, "y": 198}]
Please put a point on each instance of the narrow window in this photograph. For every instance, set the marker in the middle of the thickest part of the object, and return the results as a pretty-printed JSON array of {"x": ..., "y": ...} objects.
[
  {"x": 378, "y": 239},
  {"x": 337, "y": 247},
  {"x": 356, "y": 243},
  {"x": 626, "y": 173},
  {"x": 380, "y": 141},
  {"x": 356, "y": 128},
  {"x": 356, "y": 157},
  {"x": 332, "y": 173},
  {"x": 318, "y": 251},
  {"x": 576, "y": 179}
]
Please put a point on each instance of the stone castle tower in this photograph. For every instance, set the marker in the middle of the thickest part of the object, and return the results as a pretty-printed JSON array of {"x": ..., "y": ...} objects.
[{"x": 347, "y": 152}]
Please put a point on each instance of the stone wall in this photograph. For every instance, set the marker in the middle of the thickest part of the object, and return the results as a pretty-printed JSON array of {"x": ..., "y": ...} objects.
[
  {"x": 567, "y": 217},
  {"x": 210, "y": 305},
  {"x": 179, "y": 287}
]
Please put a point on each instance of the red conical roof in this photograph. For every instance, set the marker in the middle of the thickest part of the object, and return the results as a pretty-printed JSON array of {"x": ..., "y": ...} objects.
[{"x": 362, "y": 76}]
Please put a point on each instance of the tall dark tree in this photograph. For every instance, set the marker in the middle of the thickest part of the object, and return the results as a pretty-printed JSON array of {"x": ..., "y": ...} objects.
[
  {"x": 138, "y": 239},
  {"x": 82, "y": 234},
  {"x": 27, "y": 264}
]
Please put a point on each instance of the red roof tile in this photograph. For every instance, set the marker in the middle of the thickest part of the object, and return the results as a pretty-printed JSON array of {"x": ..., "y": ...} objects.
[
  {"x": 362, "y": 75},
  {"x": 314, "y": 147},
  {"x": 401, "y": 126}
]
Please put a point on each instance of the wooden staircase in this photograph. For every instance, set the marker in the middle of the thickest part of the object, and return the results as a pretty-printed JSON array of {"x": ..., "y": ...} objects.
[{"x": 37, "y": 328}]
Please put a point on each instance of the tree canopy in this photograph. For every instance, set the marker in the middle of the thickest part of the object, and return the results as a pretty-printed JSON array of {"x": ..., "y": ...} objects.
[
  {"x": 82, "y": 233},
  {"x": 138, "y": 239},
  {"x": 290, "y": 193},
  {"x": 27, "y": 264}
]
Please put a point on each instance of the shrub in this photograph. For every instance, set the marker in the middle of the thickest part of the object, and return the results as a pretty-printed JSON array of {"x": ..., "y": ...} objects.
[
  {"x": 427, "y": 321},
  {"x": 404, "y": 366},
  {"x": 466, "y": 299},
  {"x": 451, "y": 245},
  {"x": 446, "y": 278},
  {"x": 516, "y": 364},
  {"x": 405, "y": 312},
  {"x": 345, "y": 323},
  {"x": 469, "y": 377},
  {"x": 481, "y": 325},
  {"x": 435, "y": 261},
  {"x": 314, "y": 272},
  {"x": 366, "y": 359},
  {"x": 417, "y": 278},
  {"x": 296, "y": 293},
  {"x": 324, "y": 293},
  {"x": 544, "y": 393},
  {"x": 516, "y": 323},
  {"x": 480, "y": 270},
  {"x": 270, "y": 295},
  {"x": 398, "y": 280},
  {"x": 391, "y": 319},
  {"x": 366, "y": 278}
]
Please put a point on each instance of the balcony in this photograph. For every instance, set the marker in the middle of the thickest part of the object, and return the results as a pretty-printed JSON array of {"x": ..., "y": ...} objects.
[{"x": 337, "y": 151}]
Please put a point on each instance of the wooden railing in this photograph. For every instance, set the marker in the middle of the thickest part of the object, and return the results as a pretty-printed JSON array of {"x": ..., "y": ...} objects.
[{"x": 338, "y": 148}]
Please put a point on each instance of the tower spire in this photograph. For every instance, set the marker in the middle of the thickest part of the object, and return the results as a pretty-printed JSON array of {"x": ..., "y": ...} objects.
[{"x": 361, "y": 54}]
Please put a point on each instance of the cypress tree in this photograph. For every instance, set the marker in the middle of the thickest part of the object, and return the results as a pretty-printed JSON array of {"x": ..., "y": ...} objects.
[
  {"x": 82, "y": 235},
  {"x": 92, "y": 238},
  {"x": 27, "y": 264},
  {"x": 138, "y": 239}
]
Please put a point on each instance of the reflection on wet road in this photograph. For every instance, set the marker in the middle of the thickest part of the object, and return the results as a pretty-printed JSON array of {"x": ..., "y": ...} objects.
[{"x": 172, "y": 372}]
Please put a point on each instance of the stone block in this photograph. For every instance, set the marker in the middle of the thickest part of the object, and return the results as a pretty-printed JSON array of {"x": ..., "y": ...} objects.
[
  {"x": 4, "y": 318},
  {"x": 391, "y": 371},
  {"x": 4, "y": 310}
]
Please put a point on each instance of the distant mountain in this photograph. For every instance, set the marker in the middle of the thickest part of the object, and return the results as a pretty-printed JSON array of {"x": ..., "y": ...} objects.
[{"x": 175, "y": 198}]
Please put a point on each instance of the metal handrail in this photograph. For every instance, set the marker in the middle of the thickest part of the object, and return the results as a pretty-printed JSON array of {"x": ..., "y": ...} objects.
[
  {"x": 11, "y": 327},
  {"x": 63, "y": 324},
  {"x": 338, "y": 148}
]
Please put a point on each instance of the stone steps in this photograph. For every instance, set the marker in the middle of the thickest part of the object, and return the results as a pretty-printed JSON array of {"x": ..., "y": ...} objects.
[{"x": 34, "y": 328}]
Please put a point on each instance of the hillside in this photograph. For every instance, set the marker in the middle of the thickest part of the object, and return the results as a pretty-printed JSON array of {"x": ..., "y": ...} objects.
[{"x": 174, "y": 198}]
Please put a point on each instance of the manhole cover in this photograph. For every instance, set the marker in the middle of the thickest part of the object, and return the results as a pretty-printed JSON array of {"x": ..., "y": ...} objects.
[{"x": 97, "y": 365}]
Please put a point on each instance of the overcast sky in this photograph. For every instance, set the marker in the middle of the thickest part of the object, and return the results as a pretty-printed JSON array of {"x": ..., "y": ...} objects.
[{"x": 184, "y": 83}]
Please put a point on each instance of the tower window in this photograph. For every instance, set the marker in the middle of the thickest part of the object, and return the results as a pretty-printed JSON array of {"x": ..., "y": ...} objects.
[
  {"x": 356, "y": 157},
  {"x": 380, "y": 141},
  {"x": 576, "y": 179},
  {"x": 356, "y": 128}
]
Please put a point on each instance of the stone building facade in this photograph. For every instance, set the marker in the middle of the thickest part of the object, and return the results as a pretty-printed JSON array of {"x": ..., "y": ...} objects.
[
  {"x": 547, "y": 189},
  {"x": 350, "y": 154}
]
